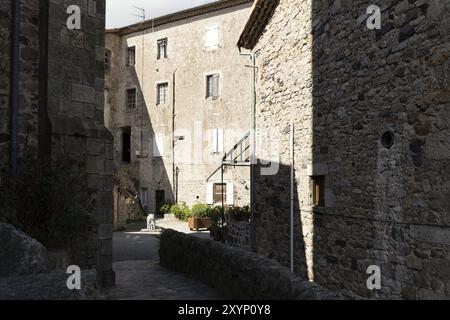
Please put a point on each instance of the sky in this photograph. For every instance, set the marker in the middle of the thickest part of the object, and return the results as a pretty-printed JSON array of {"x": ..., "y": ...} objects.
[{"x": 119, "y": 13}]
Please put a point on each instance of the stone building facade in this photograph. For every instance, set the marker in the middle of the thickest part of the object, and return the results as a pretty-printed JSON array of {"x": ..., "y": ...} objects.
[
  {"x": 169, "y": 128},
  {"x": 370, "y": 112},
  {"x": 29, "y": 80},
  {"x": 61, "y": 101}
]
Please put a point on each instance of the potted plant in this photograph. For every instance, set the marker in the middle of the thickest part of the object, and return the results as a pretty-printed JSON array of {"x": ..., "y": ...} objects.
[
  {"x": 216, "y": 230},
  {"x": 165, "y": 209},
  {"x": 180, "y": 211},
  {"x": 239, "y": 214},
  {"x": 199, "y": 218}
]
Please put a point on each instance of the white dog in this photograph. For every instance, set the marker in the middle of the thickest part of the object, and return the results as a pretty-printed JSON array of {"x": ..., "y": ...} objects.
[{"x": 151, "y": 223}]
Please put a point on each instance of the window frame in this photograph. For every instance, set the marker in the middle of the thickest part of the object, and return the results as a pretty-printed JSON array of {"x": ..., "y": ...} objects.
[
  {"x": 210, "y": 86},
  {"x": 130, "y": 50},
  {"x": 127, "y": 102},
  {"x": 219, "y": 195},
  {"x": 158, "y": 47},
  {"x": 158, "y": 94},
  {"x": 317, "y": 196}
]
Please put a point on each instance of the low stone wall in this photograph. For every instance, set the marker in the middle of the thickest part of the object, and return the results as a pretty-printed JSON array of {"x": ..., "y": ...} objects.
[
  {"x": 238, "y": 234},
  {"x": 236, "y": 273},
  {"x": 49, "y": 286}
]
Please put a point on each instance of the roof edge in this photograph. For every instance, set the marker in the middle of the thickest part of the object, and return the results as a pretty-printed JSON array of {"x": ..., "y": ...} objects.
[
  {"x": 178, "y": 16},
  {"x": 262, "y": 13}
]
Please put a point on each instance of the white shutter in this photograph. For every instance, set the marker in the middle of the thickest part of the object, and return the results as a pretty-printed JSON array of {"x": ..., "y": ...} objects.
[
  {"x": 220, "y": 140},
  {"x": 215, "y": 141},
  {"x": 215, "y": 89},
  {"x": 209, "y": 193},
  {"x": 212, "y": 37},
  {"x": 230, "y": 194},
  {"x": 158, "y": 146}
]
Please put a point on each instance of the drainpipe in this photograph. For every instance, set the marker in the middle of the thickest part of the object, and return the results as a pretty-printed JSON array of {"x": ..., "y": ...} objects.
[
  {"x": 253, "y": 158},
  {"x": 292, "y": 195},
  {"x": 143, "y": 106},
  {"x": 177, "y": 173},
  {"x": 15, "y": 69},
  {"x": 174, "y": 169}
]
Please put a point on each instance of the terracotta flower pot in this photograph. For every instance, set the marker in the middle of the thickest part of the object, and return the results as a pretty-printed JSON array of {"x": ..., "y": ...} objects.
[{"x": 197, "y": 223}]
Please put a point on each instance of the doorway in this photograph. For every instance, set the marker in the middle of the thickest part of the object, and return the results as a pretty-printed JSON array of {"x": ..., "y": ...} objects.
[{"x": 160, "y": 200}]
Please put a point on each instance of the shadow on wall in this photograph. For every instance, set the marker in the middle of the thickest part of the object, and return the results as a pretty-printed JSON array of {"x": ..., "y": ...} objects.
[
  {"x": 272, "y": 218},
  {"x": 389, "y": 193},
  {"x": 376, "y": 172},
  {"x": 136, "y": 156}
]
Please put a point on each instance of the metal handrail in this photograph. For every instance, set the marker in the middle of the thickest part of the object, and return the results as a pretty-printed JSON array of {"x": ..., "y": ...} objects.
[{"x": 228, "y": 158}]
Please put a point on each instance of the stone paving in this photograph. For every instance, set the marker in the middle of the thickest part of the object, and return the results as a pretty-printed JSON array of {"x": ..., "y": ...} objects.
[
  {"x": 147, "y": 280},
  {"x": 180, "y": 226},
  {"x": 139, "y": 276}
]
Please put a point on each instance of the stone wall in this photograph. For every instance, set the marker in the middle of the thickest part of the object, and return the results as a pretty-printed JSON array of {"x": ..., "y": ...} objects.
[
  {"x": 238, "y": 274},
  {"x": 28, "y": 83},
  {"x": 50, "y": 286},
  {"x": 75, "y": 109},
  {"x": 344, "y": 86},
  {"x": 61, "y": 109},
  {"x": 126, "y": 209},
  {"x": 238, "y": 235}
]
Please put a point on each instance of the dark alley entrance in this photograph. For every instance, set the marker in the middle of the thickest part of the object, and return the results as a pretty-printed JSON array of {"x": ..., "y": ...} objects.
[{"x": 139, "y": 276}]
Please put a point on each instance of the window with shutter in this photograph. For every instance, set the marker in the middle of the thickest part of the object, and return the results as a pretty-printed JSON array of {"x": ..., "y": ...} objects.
[{"x": 220, "y": 192}]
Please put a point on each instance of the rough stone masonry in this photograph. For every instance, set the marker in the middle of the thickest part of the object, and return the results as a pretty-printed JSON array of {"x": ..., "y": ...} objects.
[
  {"x": 370, "y": 110},
  {"x": 61, "y": 105}
]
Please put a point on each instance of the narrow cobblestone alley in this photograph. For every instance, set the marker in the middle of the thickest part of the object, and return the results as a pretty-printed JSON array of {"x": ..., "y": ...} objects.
[{"x": 139, "y": 276}]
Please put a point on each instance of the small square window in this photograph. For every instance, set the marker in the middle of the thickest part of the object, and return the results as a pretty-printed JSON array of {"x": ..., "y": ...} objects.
[
  {"x": 131, "y": 99},
  {"x": 162, "y": 49},
  {"x": 162, "y": 93},
  {"x": 220, "y": 190},
  {"x": 318, "y": 191},
  {"x": 131, "y": 56},
  {"x": 212, "y": 86}
]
